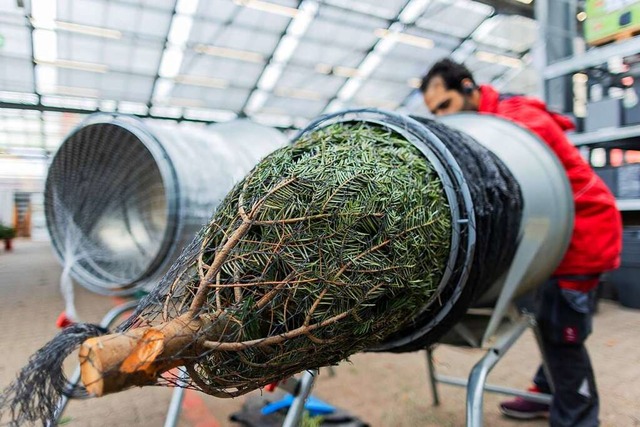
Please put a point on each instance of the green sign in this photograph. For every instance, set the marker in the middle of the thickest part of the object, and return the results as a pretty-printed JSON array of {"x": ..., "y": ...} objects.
[{"x": 608, "y": 18}]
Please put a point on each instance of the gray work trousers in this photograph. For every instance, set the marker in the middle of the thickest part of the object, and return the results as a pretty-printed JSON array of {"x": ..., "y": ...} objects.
[{"x": 565, "y": 320}]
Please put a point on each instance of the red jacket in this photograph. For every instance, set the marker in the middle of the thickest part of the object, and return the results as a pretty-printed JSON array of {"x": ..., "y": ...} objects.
[{"x": 596, "y": 242}]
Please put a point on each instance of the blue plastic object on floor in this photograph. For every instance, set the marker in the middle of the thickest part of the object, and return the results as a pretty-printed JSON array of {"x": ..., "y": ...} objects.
[{"x": 313, "y": 405}]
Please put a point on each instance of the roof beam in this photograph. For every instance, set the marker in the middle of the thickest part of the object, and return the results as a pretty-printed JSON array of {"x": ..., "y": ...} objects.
[
  {"x": 457, "y": 49},
  {"x": 51, "y": 108},
  {"x": 44, "y": 45},
  {"x": 27, "y": 13},
  {"x": 511, "y": 7},
  {"x": 406, "y": 17},
  {"x": 275, "y": 64},
  {"x": 163, "y": 58},
  {"x": 350, "y": 10},
  {"x": 224, "y": 25}
]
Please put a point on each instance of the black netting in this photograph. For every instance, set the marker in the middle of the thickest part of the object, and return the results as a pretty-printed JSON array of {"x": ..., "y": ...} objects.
[
  {"x": 497, "y": 203},
  {"x": 491, "y": 231},
  {"x": 32, "y": 396}
]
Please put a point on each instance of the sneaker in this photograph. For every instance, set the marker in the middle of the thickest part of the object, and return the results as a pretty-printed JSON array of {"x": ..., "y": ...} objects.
[{"x": 523, "y": 409}]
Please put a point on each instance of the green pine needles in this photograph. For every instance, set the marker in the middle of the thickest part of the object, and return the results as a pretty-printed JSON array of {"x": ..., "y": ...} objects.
[{"x": 323, "y": 250}]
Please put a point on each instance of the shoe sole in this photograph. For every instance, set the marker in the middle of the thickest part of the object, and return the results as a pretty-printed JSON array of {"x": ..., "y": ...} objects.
[{"x": 524, "y": 415}]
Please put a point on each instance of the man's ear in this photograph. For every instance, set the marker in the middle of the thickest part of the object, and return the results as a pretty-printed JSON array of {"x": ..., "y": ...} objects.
[{"x": 467, "y": 86}]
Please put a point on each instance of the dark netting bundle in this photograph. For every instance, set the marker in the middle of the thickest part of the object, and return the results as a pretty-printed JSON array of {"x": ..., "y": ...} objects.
[
  {"x": 497, "y": 207},
  {"x": 328, "y": 247},
  {"x": 496, "y": 197}
]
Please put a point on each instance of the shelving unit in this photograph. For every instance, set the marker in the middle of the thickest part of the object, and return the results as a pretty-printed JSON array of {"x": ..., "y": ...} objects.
[
  {"x": 628, "y": 205},
  {"x": 626, "y": 137},
  {"x": 622, "y": 137},
  {"x": 592, "y": 58},
  {"x": 627, "y": 134}
]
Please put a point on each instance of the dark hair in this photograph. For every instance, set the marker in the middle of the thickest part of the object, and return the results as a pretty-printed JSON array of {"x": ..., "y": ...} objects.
[{"x": 451, "y": 72}]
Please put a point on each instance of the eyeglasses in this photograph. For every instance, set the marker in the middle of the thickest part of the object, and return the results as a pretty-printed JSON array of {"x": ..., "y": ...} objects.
[{"x": 442, "y": 106}]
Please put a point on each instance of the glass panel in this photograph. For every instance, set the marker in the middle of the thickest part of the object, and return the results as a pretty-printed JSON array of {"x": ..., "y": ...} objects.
[
  {"x": 16, "y": 75},
  {"x": 457, "y": 18},
  {"x": 311, "y": 53},
  {"x": 293, "y": 107},
  {"x": 310, "y": 80},
  {"x": 132, "y": 57},
  {"x": 240, "y": 73},
  {"x": 11, "y": 11},
  {"x": 262, "y": 19},
  {"x": 331, "y": 25},
  {"x": 387, "y": 10},
  {"x": 377, "y": 91},
  {"x": 400, "y": 71},
  {"x": 156, "y": 4},
  {"x": 87, "y": 12},
  {"x": 514, "y": 33},
  {"x": 252, "y": 41},
  {"x": 218, "y": 10},
  {"x": 16, "y": 41},
  {"x": 154, "y": 23},
  {"x": 126, "y": 87},
  {"x": 227, "y": 99}
]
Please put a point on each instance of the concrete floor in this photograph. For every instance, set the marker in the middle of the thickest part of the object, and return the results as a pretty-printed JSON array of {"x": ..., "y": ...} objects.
[{"x": 382, "y": 389}]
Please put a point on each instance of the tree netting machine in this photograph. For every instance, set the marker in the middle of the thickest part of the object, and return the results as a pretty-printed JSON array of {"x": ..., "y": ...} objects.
[{"x": 494, "y": 219}]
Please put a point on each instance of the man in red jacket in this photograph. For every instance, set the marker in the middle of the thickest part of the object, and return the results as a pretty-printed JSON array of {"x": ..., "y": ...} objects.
[{"x": 565, "y": 302}]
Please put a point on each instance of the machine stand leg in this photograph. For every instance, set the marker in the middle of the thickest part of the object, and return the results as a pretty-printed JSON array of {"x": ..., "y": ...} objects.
[
  {"x": 432, "y": 377},
  {"x": 294, "y": 416},
  {"x": 479, "y": 373},
  {"x": 173, "y": 413},
  {"x": 64, "y": 400}
]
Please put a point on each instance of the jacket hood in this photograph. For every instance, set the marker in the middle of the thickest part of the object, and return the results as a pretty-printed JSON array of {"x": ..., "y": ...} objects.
[{"x": 490, "y": 100}]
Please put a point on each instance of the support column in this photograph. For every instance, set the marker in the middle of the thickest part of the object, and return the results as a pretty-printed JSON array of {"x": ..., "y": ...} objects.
[{"x": 557, "y": 30}]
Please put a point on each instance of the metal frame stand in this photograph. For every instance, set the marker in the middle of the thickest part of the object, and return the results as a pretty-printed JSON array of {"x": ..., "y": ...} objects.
[
  {"x": 302, "y": 392},
  {"x": 300, "y": 389},
  {"x": 476, "y": 384},
  {"x": 175, "y": 406}
]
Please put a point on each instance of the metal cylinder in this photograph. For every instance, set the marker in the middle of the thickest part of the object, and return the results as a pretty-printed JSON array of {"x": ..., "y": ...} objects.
[
  {"x": 545, "y": 188},
  {"x": 123, "y": 197},
  {"x": 547, "y": 208}
]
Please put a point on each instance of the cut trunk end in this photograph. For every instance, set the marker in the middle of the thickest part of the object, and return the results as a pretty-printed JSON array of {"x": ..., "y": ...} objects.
[{"x": 115, "y": 362}]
